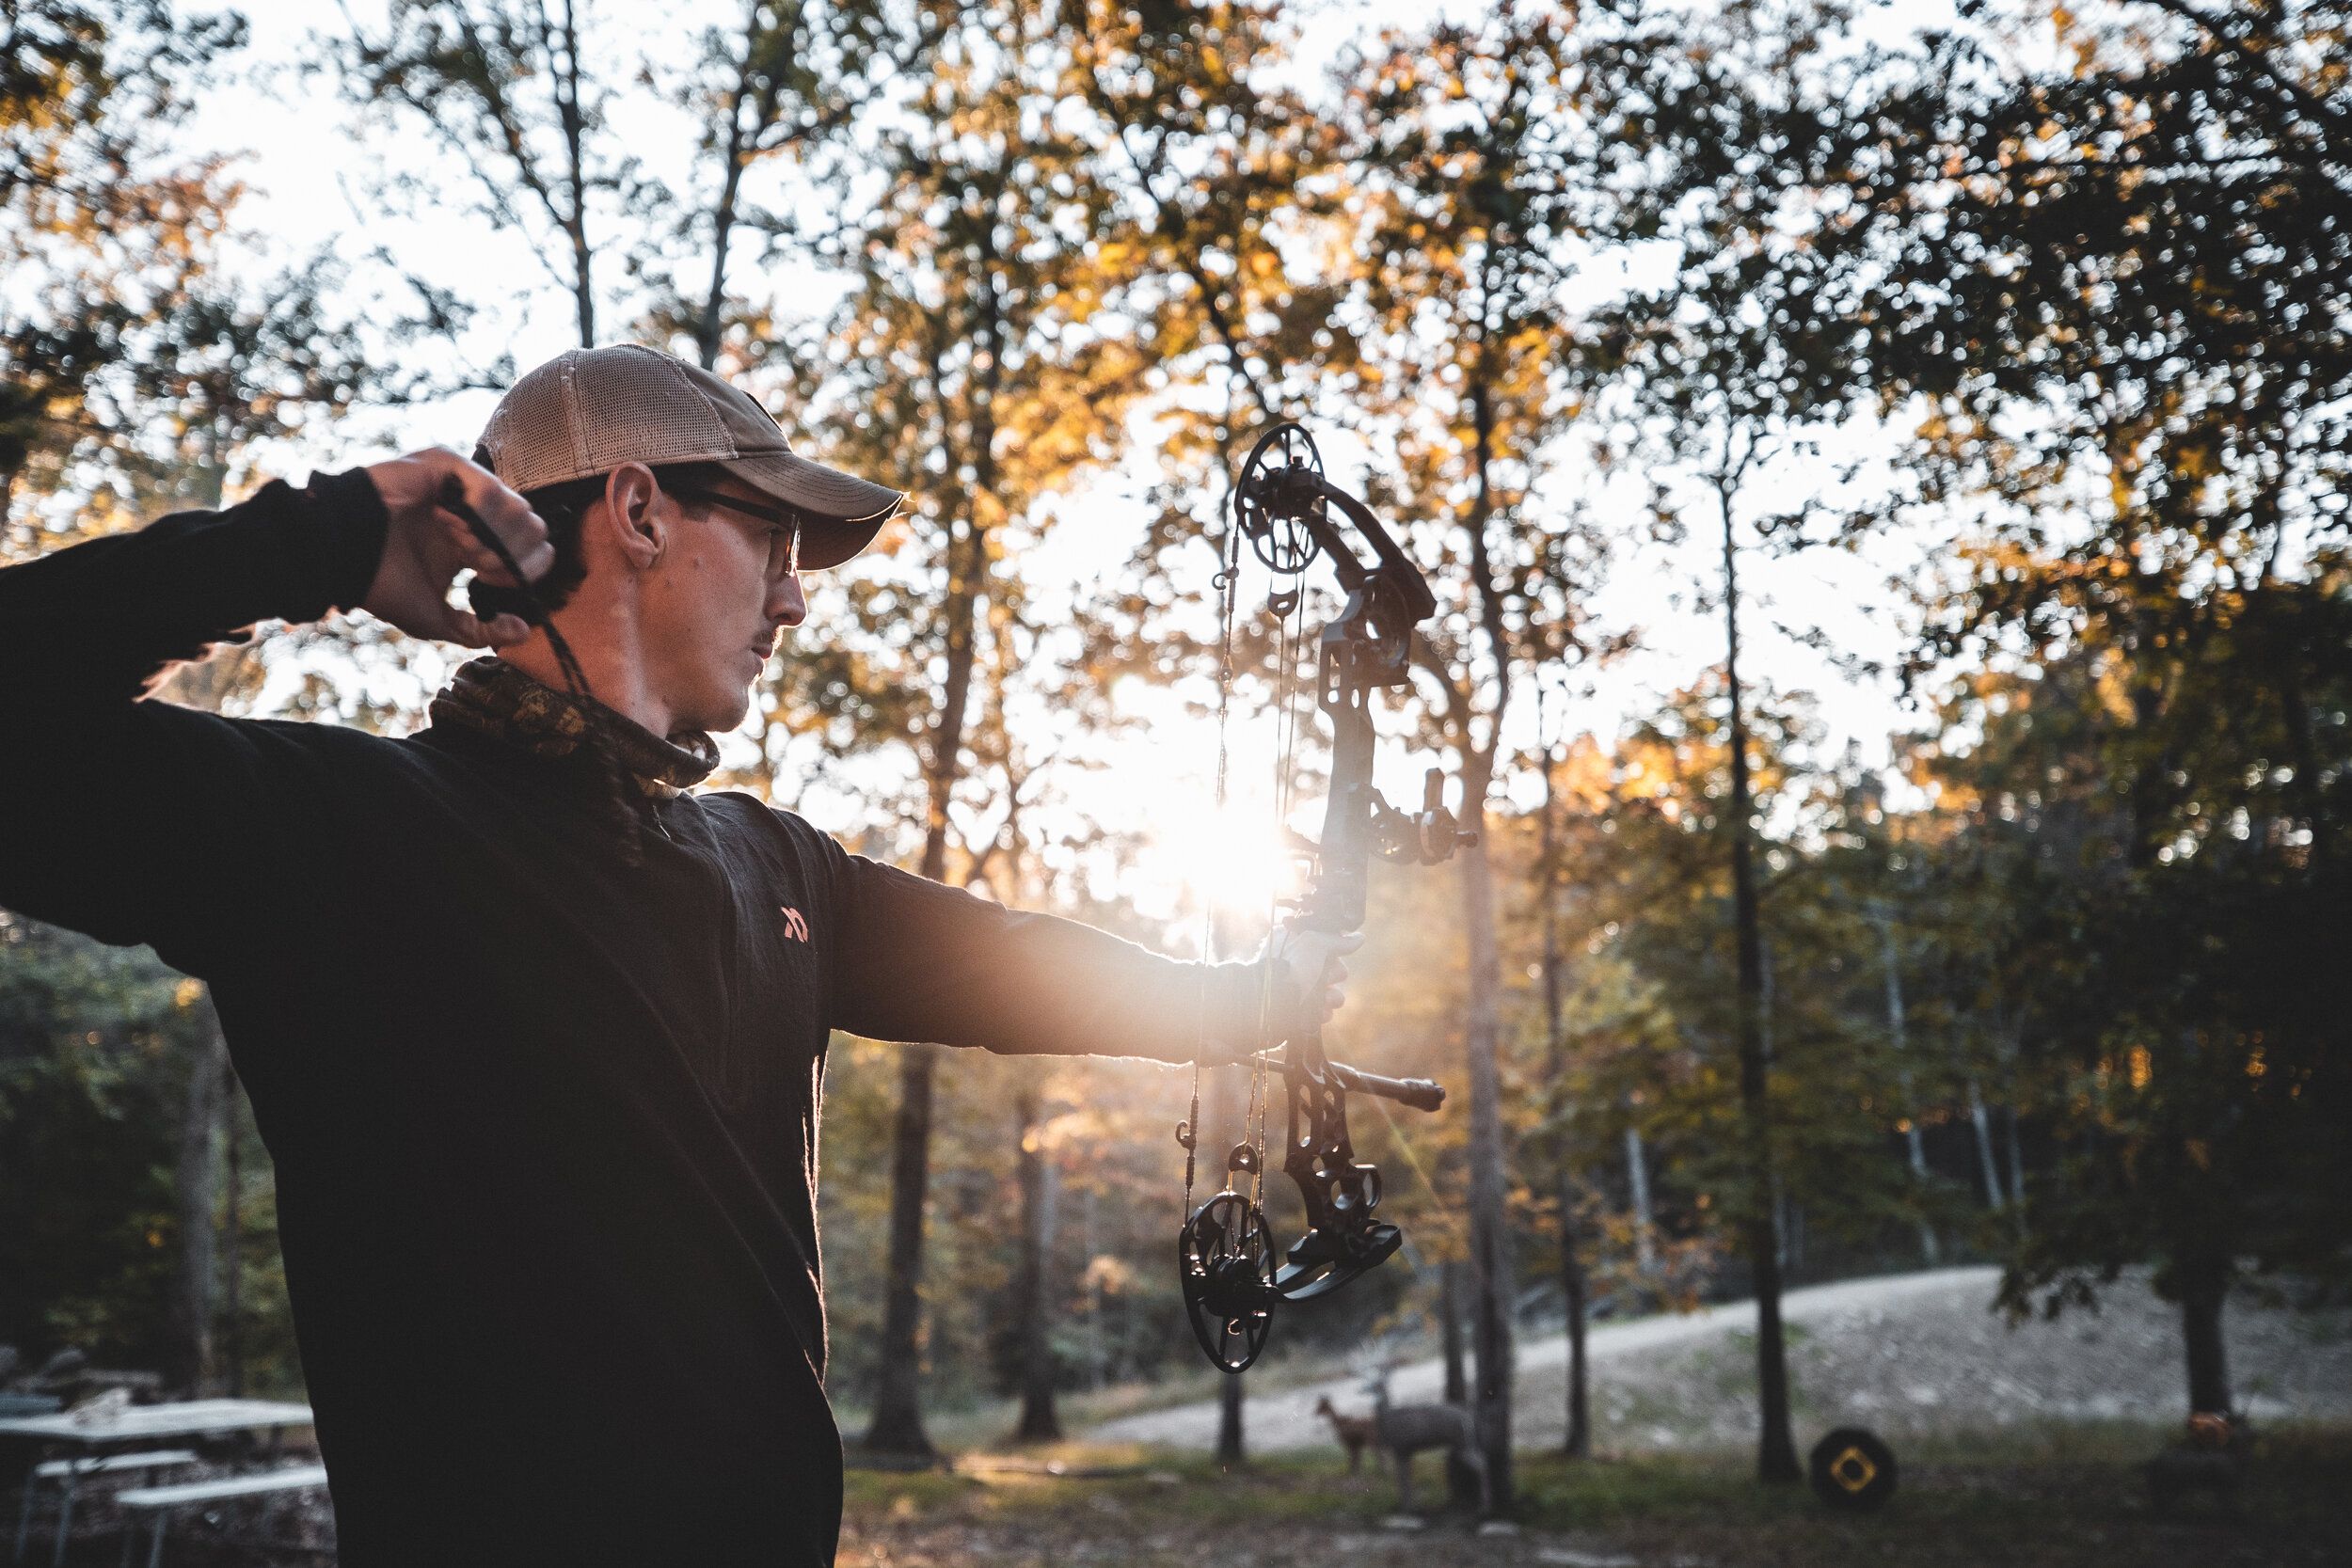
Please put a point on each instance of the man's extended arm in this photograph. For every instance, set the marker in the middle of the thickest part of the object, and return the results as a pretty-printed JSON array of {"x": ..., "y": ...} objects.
[{"x": 921, "y": 961}]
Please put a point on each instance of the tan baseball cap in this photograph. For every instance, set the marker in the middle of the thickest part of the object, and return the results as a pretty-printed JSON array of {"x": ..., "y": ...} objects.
[{"x": 589, "y": 410}]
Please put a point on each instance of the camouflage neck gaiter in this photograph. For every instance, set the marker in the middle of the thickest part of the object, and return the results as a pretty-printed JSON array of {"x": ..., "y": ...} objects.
[{"x": 493, "y": 697}]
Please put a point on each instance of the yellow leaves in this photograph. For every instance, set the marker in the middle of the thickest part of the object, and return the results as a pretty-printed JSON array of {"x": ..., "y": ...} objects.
[
  {"x": 2141, "y": 1066},
  {"x": 1109, "y": 1276},
  {"x": 187, "y": 994}
]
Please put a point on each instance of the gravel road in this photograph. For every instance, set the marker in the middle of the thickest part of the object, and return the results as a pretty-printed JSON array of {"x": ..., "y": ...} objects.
[{"x": 1909, "y": 1355}]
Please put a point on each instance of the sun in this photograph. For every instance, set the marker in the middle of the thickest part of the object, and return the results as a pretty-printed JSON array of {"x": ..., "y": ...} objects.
[{"x": 1238, "y": 862}]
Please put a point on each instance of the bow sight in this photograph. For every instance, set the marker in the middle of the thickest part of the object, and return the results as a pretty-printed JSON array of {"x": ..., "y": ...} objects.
[{"x": 1284, "y": 505}]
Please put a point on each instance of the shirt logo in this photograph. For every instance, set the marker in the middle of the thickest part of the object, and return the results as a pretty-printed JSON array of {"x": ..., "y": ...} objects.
[{"x": 794, "y": 926}]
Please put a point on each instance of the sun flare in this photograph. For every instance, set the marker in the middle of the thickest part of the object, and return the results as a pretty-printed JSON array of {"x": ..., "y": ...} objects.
[{"x": 1238, "y": 863}]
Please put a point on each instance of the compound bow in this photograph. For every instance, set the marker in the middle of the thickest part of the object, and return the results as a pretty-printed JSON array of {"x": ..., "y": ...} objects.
[{"x": 1283, "y": 506}]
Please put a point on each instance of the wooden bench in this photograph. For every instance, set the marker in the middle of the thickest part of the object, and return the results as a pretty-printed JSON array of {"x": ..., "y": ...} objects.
[
  {"x": 160, "y": 1500},
  {"x": 67, "y": 1475}
]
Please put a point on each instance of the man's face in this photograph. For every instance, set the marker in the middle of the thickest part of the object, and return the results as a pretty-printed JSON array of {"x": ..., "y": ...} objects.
[{"x": 713, "y": 602}]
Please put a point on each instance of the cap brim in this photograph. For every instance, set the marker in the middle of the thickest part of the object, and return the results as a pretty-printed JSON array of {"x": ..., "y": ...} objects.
[{"x": 848, "y": 511}]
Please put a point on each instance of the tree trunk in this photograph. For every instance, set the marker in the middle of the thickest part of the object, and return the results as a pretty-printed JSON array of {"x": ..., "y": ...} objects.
[
  {"x": 1572, "y": 1292},
  {"x": 709, "y": 321},
  {"x": 896, "y": 1429},
  {"x": 1776, "y": 1449},
  {"x": 1637, "y": 1181},
  {"x": 1450, "y": 1333},
  {"x": 1098, "y": 1348},
  {"x": 197, "y": 1185},
  {"x": 2013, "y": 1049},
  {"x": 1898, "y": 1033},
  {"x": 2204, "y": 1286},
  {"x": 1983, "y": 1124},
  {"x": 232, "y": 1243},
  {"x": 1031, "y": 1299},
  {"x": 1461, "y": 1482},
  {"x": 1231, "y": 1450},
  {"x": 573, "y": 122},
  {"x": 2016, "y": 1163},
  {"x": 1491, "y": 1276},
  {"x": 1563, "y": 1144}
]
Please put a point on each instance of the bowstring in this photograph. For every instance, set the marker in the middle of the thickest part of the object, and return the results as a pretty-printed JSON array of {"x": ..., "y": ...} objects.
[
  {"x": 1290, "y": 639},
  {"x": 1228, "y": 590},
  {"x": 602, "y": 744}
]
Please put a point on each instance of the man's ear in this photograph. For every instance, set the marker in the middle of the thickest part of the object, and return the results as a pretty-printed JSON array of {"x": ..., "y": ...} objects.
[{"x": 637, "y": 529}]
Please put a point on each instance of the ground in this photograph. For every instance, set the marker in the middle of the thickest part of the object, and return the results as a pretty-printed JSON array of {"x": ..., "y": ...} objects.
[
  {"x": 2019, "y": 1446},
  {"x": 2061, "y": 1497}
]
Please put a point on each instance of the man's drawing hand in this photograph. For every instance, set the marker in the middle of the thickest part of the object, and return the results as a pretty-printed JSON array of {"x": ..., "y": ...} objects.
[{"x": 426, "y": 546}]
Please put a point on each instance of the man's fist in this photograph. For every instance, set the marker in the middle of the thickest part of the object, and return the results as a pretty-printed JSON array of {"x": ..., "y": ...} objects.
[
  {"x": 427, "y": 545},
  {"x": 1309, "y": 965}
]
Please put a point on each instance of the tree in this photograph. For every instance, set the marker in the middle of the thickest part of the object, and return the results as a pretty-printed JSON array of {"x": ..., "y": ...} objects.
[
  {"x": 524, "y": 97},
  {"x": 97, "y": 1049},
  {"x": 1033, "y": 1290},
  {"x": 1740, "y": 361},
  {"x": 782, "y": 90},
  {"x": 966, "y": 358},
  {"x": 100, "y": 217},
  {"x": 1461, "y": 140},
  {"x": 1578, "y": 1442},
  {"x": 141, "y": 364},
  {"x": 2147, "y": 251},
  {"x": 508, "y": 93}
]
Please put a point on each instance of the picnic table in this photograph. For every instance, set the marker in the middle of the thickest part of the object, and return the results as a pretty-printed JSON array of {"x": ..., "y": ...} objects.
[
  {"x": 149, "y": 1423},
  {"x": 91, "y": 1437}
]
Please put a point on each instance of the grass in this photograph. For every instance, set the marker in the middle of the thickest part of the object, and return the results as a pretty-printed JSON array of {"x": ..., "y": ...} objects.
[{"x": 2061, "y": 1495}]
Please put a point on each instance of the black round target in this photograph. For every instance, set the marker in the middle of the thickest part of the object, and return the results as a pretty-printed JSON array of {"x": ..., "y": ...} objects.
[{"x": 1853, "y": 1469}]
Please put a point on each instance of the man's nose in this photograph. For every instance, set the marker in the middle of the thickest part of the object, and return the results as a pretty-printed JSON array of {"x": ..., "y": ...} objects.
[{"x": 786, "y": 605}]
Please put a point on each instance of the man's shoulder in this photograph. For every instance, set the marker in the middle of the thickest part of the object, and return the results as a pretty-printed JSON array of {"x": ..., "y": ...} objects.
[
  {"x": 350, "y": 744},
  {"x": 433, "y": 761},
  {"x": 743, "y": 808},
  {"x": 314, "y": 737}
]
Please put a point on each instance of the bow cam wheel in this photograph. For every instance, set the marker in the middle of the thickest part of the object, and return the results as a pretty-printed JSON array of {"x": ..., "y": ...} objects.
[
  {"x": 1272, "y": 507},
  {"x": 1225, "y": 1262}
]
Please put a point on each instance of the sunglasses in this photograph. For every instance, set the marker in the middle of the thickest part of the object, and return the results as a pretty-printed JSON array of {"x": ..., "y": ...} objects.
[{"x": 785, "y": 523}]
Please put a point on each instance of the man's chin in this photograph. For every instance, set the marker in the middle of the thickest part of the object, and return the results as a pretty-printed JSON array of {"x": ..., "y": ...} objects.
[{"x": 722, "y": 716}]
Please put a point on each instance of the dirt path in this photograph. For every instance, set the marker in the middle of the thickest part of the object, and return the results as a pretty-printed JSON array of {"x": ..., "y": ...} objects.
[{"x": 1909, "y": 1355}]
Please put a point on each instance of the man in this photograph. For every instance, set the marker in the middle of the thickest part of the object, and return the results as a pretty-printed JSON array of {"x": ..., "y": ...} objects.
[{"x": 534, "y": 1032}]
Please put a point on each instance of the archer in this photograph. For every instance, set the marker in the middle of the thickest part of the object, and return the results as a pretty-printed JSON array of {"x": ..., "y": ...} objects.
[{"x": 535, "y": 1031}]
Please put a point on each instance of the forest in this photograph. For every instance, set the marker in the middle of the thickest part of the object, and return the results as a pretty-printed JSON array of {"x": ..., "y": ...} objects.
[{"x": 1883, "y": 473}]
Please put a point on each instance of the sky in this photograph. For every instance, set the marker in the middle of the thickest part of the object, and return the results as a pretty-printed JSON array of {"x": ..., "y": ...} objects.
[{"x": 308, "y": 186}]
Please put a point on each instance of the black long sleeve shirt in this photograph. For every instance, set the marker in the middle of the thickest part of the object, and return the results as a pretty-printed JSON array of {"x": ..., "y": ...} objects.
[{"x": 543, "y": 1117}]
